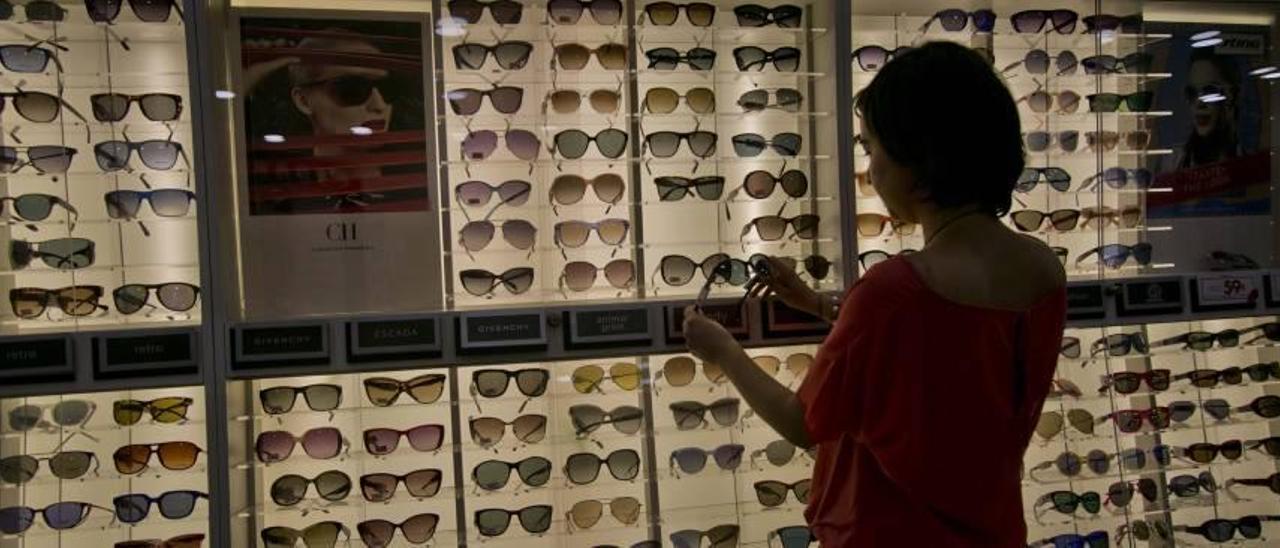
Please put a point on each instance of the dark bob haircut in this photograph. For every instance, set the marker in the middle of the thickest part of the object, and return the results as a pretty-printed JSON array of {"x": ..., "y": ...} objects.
[{"x": 940, "y": 111}]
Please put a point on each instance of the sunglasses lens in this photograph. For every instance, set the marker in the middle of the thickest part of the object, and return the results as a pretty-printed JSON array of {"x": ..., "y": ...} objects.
[
  {"x": 679, "y": 371},
  {"x": 728, "y": 457},
  {"x": 159, "y": 107},
  {"x": 477, "y": 145},
  {"x": 19, "y": 58},
  {"x": 178, "y": 455},
  {"x": 37, "y": 107},
  {"x": 19, "y": 469},
  {"x": 605, "y": 101},
  {"x": 322, "y": 443},
  {"x": 125, "y": 412},
  {"x": 725, "y": 412},
  {"x": 289, "y": 490}
]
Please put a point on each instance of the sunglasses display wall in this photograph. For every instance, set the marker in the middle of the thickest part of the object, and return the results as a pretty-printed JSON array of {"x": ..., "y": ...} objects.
[
  {"x": 1088, "y": 116},
  {"x": 123, "y": 468},
  {"x": 579, "y": 173},
  {"x": 96, "y": 182},
  {"x": 582, "y": 453},
  {"x": 1159, "y": 433}
]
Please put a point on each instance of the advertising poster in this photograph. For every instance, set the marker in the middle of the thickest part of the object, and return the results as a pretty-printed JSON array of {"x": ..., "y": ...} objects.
[{"x": 336, "y": 196}]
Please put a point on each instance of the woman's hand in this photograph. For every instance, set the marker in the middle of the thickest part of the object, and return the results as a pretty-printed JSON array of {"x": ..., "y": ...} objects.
[
  {"x": 783, "y": 282},
  {"x": 707, "y": 339}
]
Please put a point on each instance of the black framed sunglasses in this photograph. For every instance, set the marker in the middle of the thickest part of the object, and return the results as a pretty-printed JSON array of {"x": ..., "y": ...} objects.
[
  {"x": 26, "y": 58},
  {"x": 482, "y": 283},
  {"x": 504, "y": 12},
  {"x": 669, "y": 58},
  {"x": 278, "y": 400},
  {"x": 673, "y": 189},
  {"x": 569, "y": 12},
  {"x": 784, "y": 59},
  {"x": 494, "y": 522},
  {"x": 786, "y": 16},
  {"x": 165, "y": 202},
  {"x": 872, "y": 58},
  {"x": 750, "y": 145},
  {"x": 157, "y": 107},
  {"x": 774, "y": 227},
  {"x": 574, "y": 143},
  {"x": 785, "y": 99},
  {"x": 36, "y": 207},
  {"x": 492, "y": 383},
  {"x": 79, "y": 300},
  {"x": 174, "y": 296},
  {"x": 149, "y": 11},
  {"x": 158, "y": 154},
  {"x": 665, "y": 144},
  {"x": 678, "y": 270},
  {"x": 511, "y": 55},
  {"x": 492, "y": 475},
  {"x": 38, "y": 11},
  {"x": 467, "y": 101},
  {"x": 699, "y": 14}
]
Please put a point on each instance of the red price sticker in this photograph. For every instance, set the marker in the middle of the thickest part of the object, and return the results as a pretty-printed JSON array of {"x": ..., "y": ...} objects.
[{"x": 1227, "y": 289}]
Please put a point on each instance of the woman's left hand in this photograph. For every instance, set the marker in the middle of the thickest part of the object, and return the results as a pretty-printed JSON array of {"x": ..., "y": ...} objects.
[{"x": 707, "y": 339}]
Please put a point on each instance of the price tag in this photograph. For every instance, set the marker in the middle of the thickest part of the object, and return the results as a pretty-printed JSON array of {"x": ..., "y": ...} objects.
[
  {"x": 615, "y": 325},
  {"x": 1237, "y": 291},
  {"x": 285, "y": 344},
  {"x": 490, "y": 331},
  {"x": 36, "y": 357},
  {"x": 393, "y": 338},
  {"x": 1150, "y": 298},
  {"x": 134, "y": 355}
]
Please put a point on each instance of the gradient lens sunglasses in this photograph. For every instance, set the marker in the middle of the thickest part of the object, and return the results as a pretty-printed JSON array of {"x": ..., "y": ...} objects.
[
  {"x": 156, "y": 154},
  {"x": 699, "y": 14},
  {"x": 417, "y": 529},
  {"x": 148, "y": 11},
  {"x": 587, "y": 513},
  {"x": 59, "y": 516},
  {"x": 673, "y": 189},
  {"x": 323, "y": 443},
  {"x": 1032, "y": 21},
  {"x": 689, "y": 415},
  {"x": 611, "y": 56},
  {"x": 662, "y": 100},
  {"x": 492, "y": 475},
  {"x": 318, "y": 535},
  {"x": 504, "y": 12},
  {"x": 692, "y": 460},
  {"x": 157, "y": 107},
  {"x": 290, "y": 489},
  {"x": 784, "y": 59},
  {"x": 482, "y": 283},
  {"x": 518, "y": 233},
  {"x": 381, "y": 487},
  {"x": 173, "y": 296},
  {"x": 467, "y": 101},
  {"x": 174, "y": 455},
  {"x": 1056, "y": 177},
  {"x": 581, "y": 275},
  {"x": 1114, "y": 256},
  {"x": 165, "y": 202},
  {"x": 478, "y": 193},
  {"x": 586, "y": 419},
  {"x": 384, "y": 391},
  {"x": 42, "y": 11},
  {"x": 574, "y": 143},
  {"x": 774, "y": 227},
  {"x": 134, "y": 507},
  {"x": 513, "y": 55},
  {"x": 37, "y": 106},
  {"x": 487, "y": 432},
  {"x": 423, "y": 438},
  {"x": 568, "y": 101},
  {"x": 278, "y": 400},
  {"x": 955, "y": 20},
  {"x": 589, "y": 378}
]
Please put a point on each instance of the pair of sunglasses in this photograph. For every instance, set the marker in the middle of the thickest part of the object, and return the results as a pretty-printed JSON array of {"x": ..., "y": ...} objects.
[
  {"x": 492, "y": 522},
  {"x": 487, "y": 432},
  {"x": 279, "y": 400},
  {"x": 750, "y": 145},
  {"x": 784, "y": 59},
  {"x": 1138, "y": 101},
  {"x": 492, "y": 475},
  {"x": 1116, "y": 255},
  {"x": 699, "y": 14},
  {"x": 290, "y": 489},
  {"x": 568, "y": 12},
  {"x": 66, "y": 465},
  {"x": 872, "y": 225},
  {"x": 36, "y": 207},
  {"x": 1056, "y": 177},
  {"x": 478, "y": 193},
  {"x": 665, "y": 144},
  {"x": 165, "y": 202},
  {"x": 173, "y": 455},
  {"x": 36, "y": 106},
  {"x": 113, "y": 107},
  {"x": 135, "y": 507},
  {"x": 781, "y": 453},
  {"x": 503, "y": 12},
  {"x": 425, "y": 438},
  {"x": 510, "y": 55},
  {"x": 424, "y": 389},
  {"x": 1209, "y": 378},
  {"x": 772, "y": 493},
  {"x": 417, "y": 529},
  {"x": 1067, "y": 502},
  {"x": 1033, "y": 21},
  {"x": 158, "y": 154},
  {"x": 59, "y": 253},
  {"x": 586, "y": 419},
  {"x": 68, "y": 413},
  {"x": 318, "y": 535},
  {"x": 518, "y": 233},
  {"x": 149, "y": 11},
  {"x": 661, "y": 100},
  {"x": 1051, "y": 423},
  {"x": 568, "y": 101},
  {"x": 37, "y": 11},
  {"x": 955, "y": 20},
  {"x": 874, "y": 257},
  {"x": 381, "y": 487},
  {"x": 699, "y": 59},
  {"x": 59, "y": 516},
  {"x": 584, "y": 468},
  {"x": 1203, "y": 340},
  {"x": 785, "y": 16},
  {"x": 1037, "y": 61},
  {"x": 467, "y": 101},
  {"x": 1071, "y": 464},
  {"x": 1223, "y": 530},
  {"x": 480, "y": 145},
  {"x": 784, "y": 99},
  {"x": 570, "y": 189},
  {"x": 1205, "y": 453},
  {"x": 692, "y": 460},
  {"x": 78, "y": 300},
  {"x": 25, "y": 58},
  {"x": 794, "y": 536},
  {"x": 773, "y": 227},
  {"x": 586, "y": 514},
  {"x": 493, "y": 383},
  {"x": 1042, "y": 102},
  {"x": 872, "y": 58},
  {"x": 720, "y": 536},
  {"x": 611, "y": 56},
  {"x": 678, "y": 270},
  {"x": 581, "y": 275},
  {"x": 323, "y": 443},
  {"x": 195, "y": 540},
  {"x": 1127, "y": 382},
  {"x": 174, "y": 296},
  {"x": 482, "y": 283},
  {"x": 689, "y": 415},
  {"x": 589, "y": 378},
  {"x": 574, "y": 234},
  {"x": 573, "y": 143}
]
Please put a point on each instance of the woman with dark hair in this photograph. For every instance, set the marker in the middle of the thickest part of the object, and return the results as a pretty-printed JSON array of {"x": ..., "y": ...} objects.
[
  {"x": 1213, "y": 93},
  {"x": 924, "y": 396}
]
